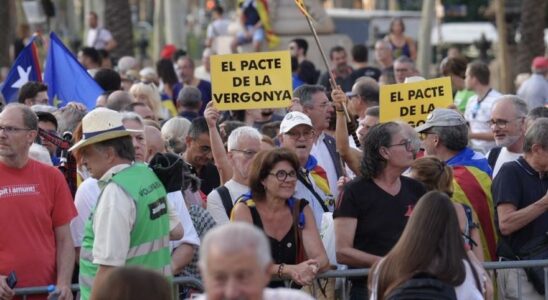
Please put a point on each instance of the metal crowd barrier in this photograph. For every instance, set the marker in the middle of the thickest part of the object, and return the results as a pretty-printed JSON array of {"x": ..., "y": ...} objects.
[
  {"x": 192, "y": 282},
  {"x": 177, "y": 281}
]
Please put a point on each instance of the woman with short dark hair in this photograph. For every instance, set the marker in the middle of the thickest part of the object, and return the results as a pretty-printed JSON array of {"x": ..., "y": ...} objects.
[{"x": 288, "y": 222}]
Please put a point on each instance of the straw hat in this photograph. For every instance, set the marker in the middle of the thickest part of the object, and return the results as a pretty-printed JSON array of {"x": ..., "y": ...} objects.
[{"x": 99, "y": 125}]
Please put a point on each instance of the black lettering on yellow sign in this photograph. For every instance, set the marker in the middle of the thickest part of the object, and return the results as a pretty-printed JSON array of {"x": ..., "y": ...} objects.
[
  {"x": 412, "y": 110},
  {"x": 260, "y": 64},
  {"x": 252, "y": 97}
]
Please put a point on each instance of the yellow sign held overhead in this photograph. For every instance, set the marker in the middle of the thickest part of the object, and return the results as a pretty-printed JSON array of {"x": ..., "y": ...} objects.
[
  {"x": 412, "y": 102},
  {"x": 251, "y": 80}
]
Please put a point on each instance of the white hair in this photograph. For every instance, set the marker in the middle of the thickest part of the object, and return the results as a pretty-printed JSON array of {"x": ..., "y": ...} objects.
[
  {"x": 174, "y": 132},
  {"x": 132, "y": 116},
  {"x": 234, "y": 237},
  {"x": 237, "y": 134}
]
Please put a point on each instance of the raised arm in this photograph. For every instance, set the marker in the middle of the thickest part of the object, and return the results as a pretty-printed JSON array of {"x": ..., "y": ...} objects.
[
  {"x": 350, "y": 156},
  {"x": 218, "y": 151}
]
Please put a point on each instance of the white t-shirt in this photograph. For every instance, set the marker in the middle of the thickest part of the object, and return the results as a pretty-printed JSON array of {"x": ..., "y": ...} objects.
[
  {"x": 302, "y": 192},
  {"x": 504, "y": 156},
  {"x": 98, "y": 38},
  {"x": 478, "y": 116},
  {"x": 215, "y": 205},
  {"x": 218, "y": 28},
  {"x": 321, "y": 153},
  {"x": 277, "y": 294}
]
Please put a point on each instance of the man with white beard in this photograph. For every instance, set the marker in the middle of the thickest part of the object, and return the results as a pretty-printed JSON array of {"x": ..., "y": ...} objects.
[{"x": 508, "y": 126}]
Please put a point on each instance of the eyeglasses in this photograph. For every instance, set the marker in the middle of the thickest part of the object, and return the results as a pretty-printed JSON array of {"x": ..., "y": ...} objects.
[
  {"x": 297, "y": 135},
  {"x": 282, "y": 175},
  {"x": 407, "y": 143},
  {"x": 500, "y": 123},
  {"x": 12, "y": 130},
  {"x": 247, "y": 153}
]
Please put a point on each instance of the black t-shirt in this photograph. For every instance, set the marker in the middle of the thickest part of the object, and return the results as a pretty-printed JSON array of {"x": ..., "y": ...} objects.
[
  {"x": 366, "y": 71},
  {"x": 209, "y": 176},
  {"x": 381, "y": 216},
  {"x": 519, "y": 184}
]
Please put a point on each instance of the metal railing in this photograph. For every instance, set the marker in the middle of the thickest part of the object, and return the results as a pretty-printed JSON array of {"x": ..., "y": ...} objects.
[
  {"x": 177, "y": 281},
  {"x": 195, "y": 283}
]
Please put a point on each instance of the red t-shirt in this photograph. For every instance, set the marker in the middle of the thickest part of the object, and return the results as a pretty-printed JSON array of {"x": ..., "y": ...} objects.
[{"x": 34, "y": 201}]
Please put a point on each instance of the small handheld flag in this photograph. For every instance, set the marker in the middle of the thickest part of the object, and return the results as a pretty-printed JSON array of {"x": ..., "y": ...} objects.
[{"x": 302, "y": 8}]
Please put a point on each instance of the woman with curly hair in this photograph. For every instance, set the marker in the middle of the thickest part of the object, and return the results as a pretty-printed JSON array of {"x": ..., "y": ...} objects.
[{"x": 373, "y": 209}]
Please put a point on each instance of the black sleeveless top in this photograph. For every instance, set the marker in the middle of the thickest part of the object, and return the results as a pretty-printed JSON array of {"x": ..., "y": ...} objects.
[{"x": 285, "y": 250}]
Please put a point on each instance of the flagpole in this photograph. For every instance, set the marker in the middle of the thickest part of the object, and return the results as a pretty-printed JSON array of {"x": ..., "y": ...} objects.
[{"x": 332, "y": 80}]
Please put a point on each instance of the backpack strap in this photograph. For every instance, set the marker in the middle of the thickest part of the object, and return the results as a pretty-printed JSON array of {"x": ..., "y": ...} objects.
[
  {"x": 304, "y": 180},
  {"x": 225, "y": 197},
  {"x": 470, "y": 225},
  {"x": 493, "y": 156}
]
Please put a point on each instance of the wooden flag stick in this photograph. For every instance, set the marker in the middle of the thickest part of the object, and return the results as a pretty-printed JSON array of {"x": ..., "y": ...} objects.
[{"x": 332, "y": 78}]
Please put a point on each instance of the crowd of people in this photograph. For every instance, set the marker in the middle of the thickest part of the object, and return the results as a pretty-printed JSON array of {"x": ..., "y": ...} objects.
[{"x": 156, "y": 177}]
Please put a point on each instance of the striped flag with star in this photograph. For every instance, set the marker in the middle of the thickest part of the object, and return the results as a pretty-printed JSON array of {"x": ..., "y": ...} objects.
[{"x": 25, "y": 68}]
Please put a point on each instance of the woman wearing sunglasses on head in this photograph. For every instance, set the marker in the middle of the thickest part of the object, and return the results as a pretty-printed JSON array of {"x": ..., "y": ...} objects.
[{"x": 289, "y": 224}]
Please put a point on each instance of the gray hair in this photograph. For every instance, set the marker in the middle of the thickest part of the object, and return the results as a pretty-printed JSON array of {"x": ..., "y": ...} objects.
[
  {"x": 536, "y": 134},
  {"x": 132, "y": 116},
  {"x": 305, "y": 92},
  {"x": 372, "y": 111},
  {"x": 405, "y": 60},
  {"x": 174, "y": 132},
  {"x": 454, "y": 138},
  {"x": 519, "y": 104},
  {"x": 234, "y": 237},
  {"x": 190, "y": 97},
  {"x": 30, "y": 120},
  {"x": 69, "y": 117},
  {"x": 237, "y": 134}
]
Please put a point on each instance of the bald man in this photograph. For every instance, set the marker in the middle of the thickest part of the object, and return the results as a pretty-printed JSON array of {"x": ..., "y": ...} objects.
[{"x": 154, "y": 141}]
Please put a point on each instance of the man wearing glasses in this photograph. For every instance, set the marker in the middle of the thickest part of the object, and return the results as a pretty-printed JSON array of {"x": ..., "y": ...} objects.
[
  {"x": 199, "y": 157},
  {"x": 242, "y": 145},
  {"x": 35, "y": 210},
  {"x": 297, "y": 134},
  {"x": 478, "y": 108},
  {"x": 508, "y": 126},
  {"x": 445, "y": 135}
]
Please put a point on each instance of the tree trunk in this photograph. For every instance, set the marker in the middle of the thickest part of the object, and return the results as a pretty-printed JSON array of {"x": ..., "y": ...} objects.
[
  {"x": 424, "y": 55},
  {"x": 7, "y": 15},
  {"x": 118, "y": 21},
  {"x": 531, "y": 43}
]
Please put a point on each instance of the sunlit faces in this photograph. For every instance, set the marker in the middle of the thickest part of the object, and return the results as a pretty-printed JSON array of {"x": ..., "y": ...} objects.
[
  {"x": 137, "y": 138},
  {"x": 339, "y": 59},
  {"x": 198, "y": 152},
  {"x": 15, "y": 137},
  {"x": 400, "y": 152},
  {"x": 281, "y": 181},
  {"x": 94, "y": 160},
  {"x": 299, "y": 139},
  {"x": 242, "y": 156},
  {"x": 319, "y": 111},
  {"x": 506, "y": 125},
  {"x": 234, "y": 276},
  {"x": 365, "y": 124}
]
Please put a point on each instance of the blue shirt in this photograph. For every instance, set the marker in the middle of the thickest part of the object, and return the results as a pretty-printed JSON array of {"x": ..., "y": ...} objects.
[{"x": 470, "y": 158}]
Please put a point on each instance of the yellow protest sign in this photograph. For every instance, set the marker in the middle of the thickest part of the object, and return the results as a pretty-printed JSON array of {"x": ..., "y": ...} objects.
[
  {"x": 251, "y": 80},
  {"x": 412, "y": 102}
]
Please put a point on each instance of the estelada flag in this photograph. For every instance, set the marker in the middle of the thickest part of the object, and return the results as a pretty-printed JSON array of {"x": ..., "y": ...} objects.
[{"x": 302, "y": 8}]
